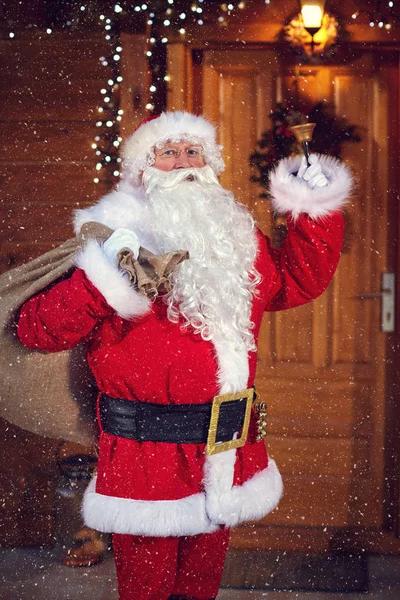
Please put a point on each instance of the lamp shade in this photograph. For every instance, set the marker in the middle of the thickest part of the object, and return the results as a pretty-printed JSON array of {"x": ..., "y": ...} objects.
[{"x": 312, "y": 12}]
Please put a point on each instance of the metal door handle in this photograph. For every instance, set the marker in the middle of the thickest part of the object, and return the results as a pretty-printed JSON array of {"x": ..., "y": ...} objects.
[
  {"x": 386, "y": 295},
  {"x": 368, "y": 295}
]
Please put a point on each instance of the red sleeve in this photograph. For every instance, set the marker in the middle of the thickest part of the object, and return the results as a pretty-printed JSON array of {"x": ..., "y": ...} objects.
[
  {"x": 61, "y": 317},
  {"x": 307, "y": 261}
]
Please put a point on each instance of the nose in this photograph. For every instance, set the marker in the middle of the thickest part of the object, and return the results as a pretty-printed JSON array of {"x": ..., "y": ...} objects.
[{"x": 182, "y": 162}]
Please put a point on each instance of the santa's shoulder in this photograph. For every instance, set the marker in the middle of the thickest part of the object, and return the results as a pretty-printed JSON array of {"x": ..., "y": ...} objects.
[{"x": 122, "y": 207}]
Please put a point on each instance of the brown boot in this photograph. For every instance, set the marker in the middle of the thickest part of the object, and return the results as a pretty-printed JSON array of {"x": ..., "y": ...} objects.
[{"x": 87, "y": 549}]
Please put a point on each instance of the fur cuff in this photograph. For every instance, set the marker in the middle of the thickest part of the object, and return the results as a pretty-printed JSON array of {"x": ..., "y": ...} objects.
[
  {"x": 111, "y": 282},
  {"x": 251, "y": 501},
  {"x": 292, "y": 195},
  {"x": 186, "y": 516}
]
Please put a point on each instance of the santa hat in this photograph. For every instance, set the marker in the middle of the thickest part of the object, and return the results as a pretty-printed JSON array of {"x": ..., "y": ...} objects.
[{"x": 138, "y": 150}]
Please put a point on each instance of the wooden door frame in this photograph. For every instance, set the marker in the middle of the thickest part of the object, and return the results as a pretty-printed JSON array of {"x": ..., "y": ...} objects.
[{"x": 393, "y": 418}]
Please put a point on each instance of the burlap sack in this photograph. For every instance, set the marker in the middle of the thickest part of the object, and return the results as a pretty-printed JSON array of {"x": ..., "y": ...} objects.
[
  {"x": 54, "y": 394},
  {"x": 37, "y": 391}
]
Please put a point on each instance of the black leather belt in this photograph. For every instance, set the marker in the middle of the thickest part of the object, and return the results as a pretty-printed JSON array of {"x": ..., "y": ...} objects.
[{"x": 177, "y": 424}]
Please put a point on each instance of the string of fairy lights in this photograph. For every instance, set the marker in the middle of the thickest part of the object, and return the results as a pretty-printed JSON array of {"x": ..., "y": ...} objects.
[
  {"x": 382, "y": 16},
  {"x": 107, "y": 140}
]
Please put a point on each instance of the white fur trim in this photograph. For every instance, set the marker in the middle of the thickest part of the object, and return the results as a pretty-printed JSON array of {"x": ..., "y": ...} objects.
[
  {"x": 193, "y": 515},
  {"x": 225, "y": 503},
  {"x": 250, "y": 501},
  {"x": 124, "y": 207},
  {"x": 112, "y": 210},
  {"x": 111, "y": 282},
  {"x": 186, "y": 516},
  {"x": 233, "y": 366},
  {"x": 292, "y": 195}
]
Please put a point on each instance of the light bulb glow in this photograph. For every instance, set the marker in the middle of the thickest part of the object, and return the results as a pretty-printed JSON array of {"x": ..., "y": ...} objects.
[{"x": 312, "y": 15}]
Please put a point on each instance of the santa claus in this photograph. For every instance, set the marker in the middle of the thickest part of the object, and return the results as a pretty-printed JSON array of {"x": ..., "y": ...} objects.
[{"x": 180, "y": 460}]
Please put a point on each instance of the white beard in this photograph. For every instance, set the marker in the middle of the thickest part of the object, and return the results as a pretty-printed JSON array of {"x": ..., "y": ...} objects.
[{"x": 189, "y": 210}]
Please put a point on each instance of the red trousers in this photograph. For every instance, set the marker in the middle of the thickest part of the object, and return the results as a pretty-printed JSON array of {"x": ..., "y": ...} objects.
[{"x": 157, "y": 568}]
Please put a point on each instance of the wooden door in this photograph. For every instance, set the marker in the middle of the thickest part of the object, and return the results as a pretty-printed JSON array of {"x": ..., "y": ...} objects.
[{"x": 321, "y": 366}]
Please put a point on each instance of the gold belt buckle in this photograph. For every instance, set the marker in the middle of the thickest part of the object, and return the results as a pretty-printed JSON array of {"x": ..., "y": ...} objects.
[{"x": 214, "y": 447}]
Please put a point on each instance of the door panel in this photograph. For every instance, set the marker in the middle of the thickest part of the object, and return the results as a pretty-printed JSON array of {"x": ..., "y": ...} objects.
[{"x": 321, "y": 366}]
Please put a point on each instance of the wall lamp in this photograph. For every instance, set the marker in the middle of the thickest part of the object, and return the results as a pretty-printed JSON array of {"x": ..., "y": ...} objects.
[
  {"x": 313, "y": 29},
  {"x": 312, "y": 12}
]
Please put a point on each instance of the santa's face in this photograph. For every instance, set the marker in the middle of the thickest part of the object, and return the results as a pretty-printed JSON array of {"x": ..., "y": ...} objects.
[{"x": 178, "y": 155}]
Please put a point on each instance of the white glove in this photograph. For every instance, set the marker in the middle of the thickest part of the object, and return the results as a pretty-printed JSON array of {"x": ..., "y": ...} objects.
[
  {"x": 312, "y": 175},
  {"x": 121, "y": 238}
]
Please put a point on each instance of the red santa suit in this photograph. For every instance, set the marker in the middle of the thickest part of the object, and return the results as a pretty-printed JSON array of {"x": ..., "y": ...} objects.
[{"x": 136, "y": 353}]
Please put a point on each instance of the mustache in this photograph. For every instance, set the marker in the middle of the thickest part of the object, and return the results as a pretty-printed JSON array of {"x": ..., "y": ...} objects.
[{"x": 167, "y": 180}]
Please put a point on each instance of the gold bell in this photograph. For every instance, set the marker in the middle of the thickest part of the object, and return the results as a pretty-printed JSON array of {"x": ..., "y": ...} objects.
[{"x": 303, "y": 134}]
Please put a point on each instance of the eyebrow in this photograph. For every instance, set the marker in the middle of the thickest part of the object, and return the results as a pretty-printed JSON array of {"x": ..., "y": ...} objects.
[{"x": 171, "y": 147}]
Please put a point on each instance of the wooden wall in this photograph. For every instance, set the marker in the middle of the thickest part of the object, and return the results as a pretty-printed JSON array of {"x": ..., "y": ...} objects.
[{"x": 50, "y": 91}]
